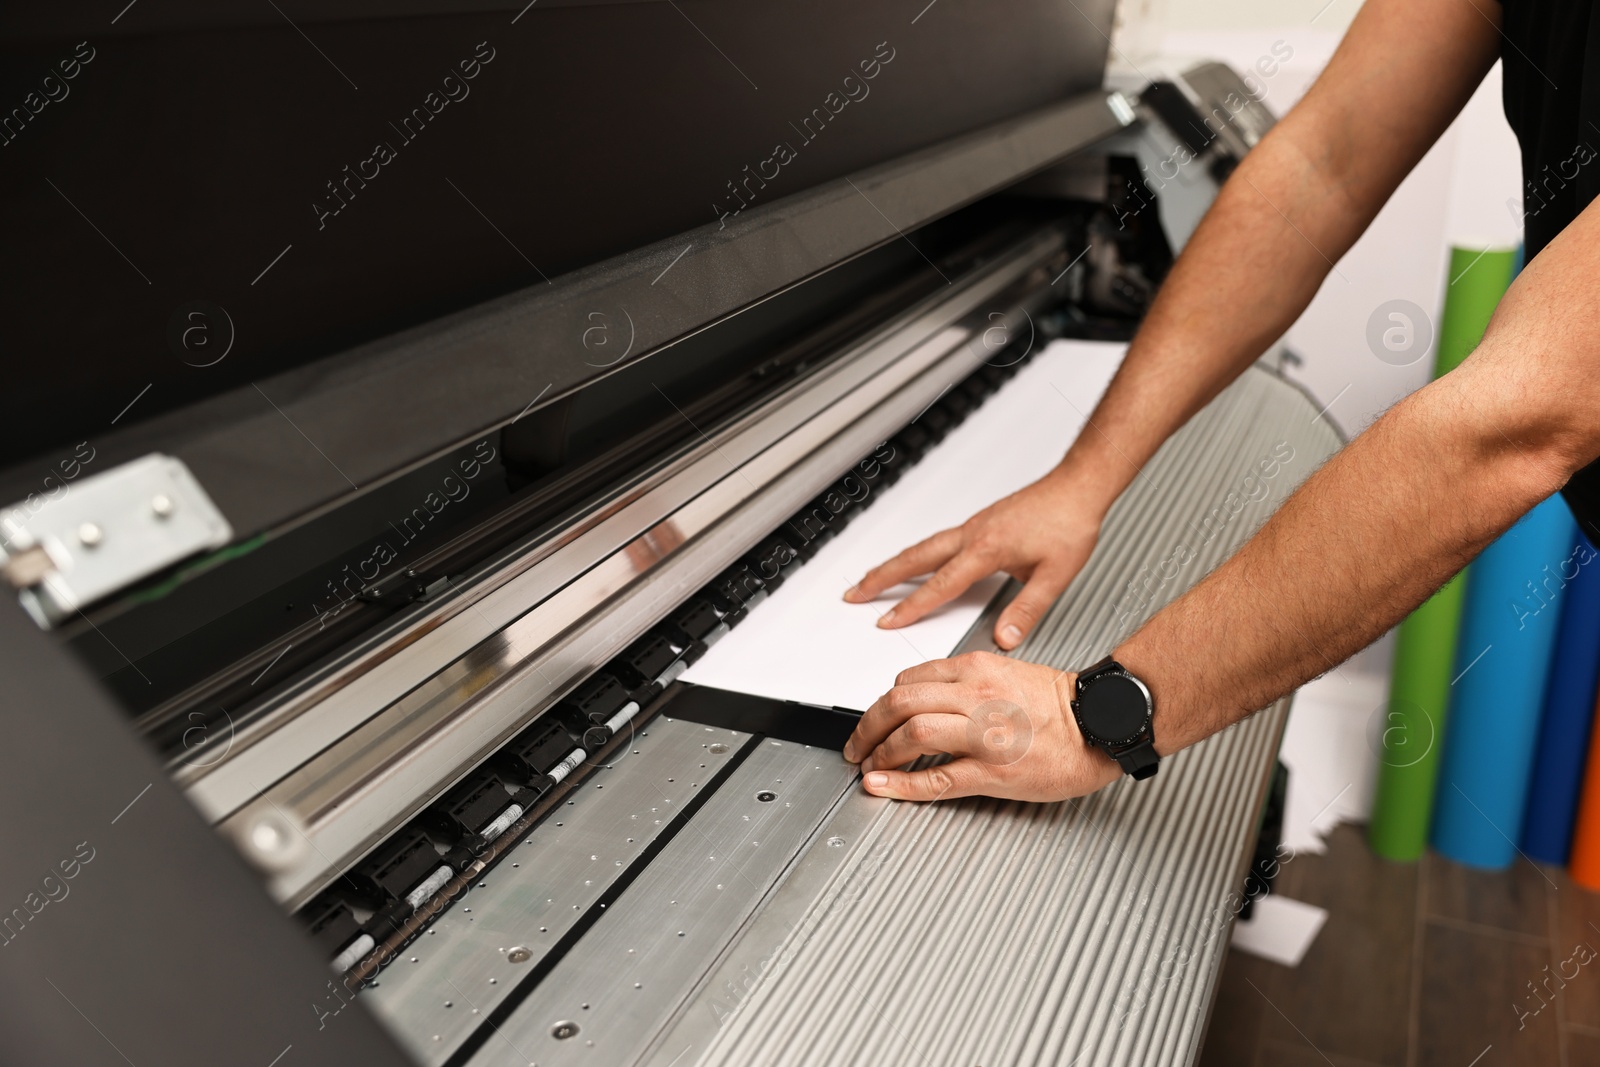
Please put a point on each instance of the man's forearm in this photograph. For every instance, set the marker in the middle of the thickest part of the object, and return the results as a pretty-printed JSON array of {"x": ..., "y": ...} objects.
[
  {"x": 1243, "y": 279},
  {"x": 1367, "y": 538},
  {"x": 1294, "y": 206},
  {"x": 1389, "y": 519}
]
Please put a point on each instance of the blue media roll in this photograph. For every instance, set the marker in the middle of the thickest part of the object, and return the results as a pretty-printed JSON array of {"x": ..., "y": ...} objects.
[
  {"x": 1568, "y": 712},
  {"x": 1508, "y": 633}
]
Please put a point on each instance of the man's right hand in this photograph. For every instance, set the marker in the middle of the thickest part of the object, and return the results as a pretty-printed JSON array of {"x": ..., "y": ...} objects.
[{"x": 1041, "y": 535}]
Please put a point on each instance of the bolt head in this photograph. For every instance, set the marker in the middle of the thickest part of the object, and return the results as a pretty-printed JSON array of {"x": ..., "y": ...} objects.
[{"x": 268, "y": 836}]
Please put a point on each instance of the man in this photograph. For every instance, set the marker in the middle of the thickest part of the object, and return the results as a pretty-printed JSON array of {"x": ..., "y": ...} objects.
[{"x": 1385, "y": 522}]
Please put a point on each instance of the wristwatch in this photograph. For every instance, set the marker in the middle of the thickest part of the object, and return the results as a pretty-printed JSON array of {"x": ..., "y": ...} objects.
[{"x": 1114, "y": 710}]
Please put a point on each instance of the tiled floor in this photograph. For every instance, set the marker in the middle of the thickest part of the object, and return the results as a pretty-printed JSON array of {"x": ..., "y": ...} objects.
[{"x": 1420, "y": 965}]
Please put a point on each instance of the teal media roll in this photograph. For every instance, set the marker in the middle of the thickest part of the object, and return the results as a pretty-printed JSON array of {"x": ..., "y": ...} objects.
[{"x": 1508, "y": 634}]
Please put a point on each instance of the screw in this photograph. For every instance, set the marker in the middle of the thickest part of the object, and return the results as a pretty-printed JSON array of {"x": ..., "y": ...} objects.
[
  {"x": 519, "y": 955},
  {"x": 267, "y": 836},
  {"x": 273, "y": 839},
  {"x": 563, "y": 1030},
  {"x": 766, "y": 796}
]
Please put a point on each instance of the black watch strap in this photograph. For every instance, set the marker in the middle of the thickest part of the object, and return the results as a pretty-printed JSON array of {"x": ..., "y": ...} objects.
[
  {"x": 1106, "y": 664},
  {"x": 1140, "y": 761}
]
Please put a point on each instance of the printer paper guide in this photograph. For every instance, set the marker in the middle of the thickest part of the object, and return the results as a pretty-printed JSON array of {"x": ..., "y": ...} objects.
[{"x": 804, "y": 643}]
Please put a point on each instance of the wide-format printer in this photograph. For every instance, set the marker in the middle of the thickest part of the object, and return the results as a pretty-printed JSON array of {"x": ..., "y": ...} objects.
[{"x": 407, "y": 400}]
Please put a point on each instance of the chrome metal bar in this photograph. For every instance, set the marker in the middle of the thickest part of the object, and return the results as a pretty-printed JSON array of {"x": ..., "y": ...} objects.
[
  {"x": 329, "y": 706},
  {"x": 366, "y": 783}
]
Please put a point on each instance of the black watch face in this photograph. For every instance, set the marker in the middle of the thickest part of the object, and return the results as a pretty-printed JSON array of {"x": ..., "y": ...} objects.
[{"x": 1113, "y": 708}]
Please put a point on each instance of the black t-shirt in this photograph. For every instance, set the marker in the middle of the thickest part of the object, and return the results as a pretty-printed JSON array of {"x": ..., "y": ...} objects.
[{"x": 1555, "y": 111}]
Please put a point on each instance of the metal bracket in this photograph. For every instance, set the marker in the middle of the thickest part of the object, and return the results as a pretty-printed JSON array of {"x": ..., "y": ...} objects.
[{"x": 105, "y": 533}]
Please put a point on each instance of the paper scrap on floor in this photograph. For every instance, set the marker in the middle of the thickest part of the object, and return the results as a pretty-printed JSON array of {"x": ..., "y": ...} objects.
[
  {"x": 805, "y": 643},
  {"x": 1280, "y": 929}
]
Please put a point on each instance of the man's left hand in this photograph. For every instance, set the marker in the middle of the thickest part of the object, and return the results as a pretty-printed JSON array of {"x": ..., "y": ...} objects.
[{"x": 1008, "y": 724}]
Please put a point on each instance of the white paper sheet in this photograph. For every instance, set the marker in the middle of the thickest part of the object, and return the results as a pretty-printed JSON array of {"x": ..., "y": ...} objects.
[
  {"x": 1280, "y": 929},
  {"x": 805, "y": 643}
]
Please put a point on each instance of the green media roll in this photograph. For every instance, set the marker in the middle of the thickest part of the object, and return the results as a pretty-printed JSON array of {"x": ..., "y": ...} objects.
[
  {"x": 1408, "y": 736},
  {"x": 1478, "y": 279}
]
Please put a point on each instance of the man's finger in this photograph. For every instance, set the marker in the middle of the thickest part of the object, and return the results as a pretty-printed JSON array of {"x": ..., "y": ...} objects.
[
  {"x": 922, "y": 735},
  {"x": 1028, "y": 607},
  {"x": 934, "y": 670},
  {"x": 958, "y": 778},
  {"x": 947, "y": 583},
  {"x": 890, "y": 711},
  {"x": 920, "y": 558}
]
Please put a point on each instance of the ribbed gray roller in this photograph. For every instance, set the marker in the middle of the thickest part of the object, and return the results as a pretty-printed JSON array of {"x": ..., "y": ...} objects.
[{"x": 984, "y": 932}]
